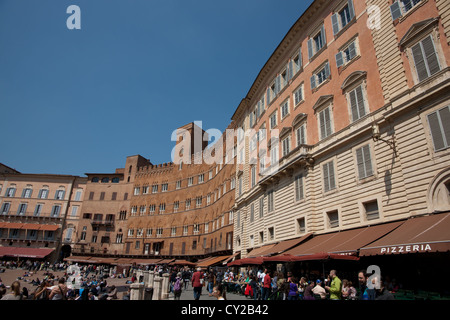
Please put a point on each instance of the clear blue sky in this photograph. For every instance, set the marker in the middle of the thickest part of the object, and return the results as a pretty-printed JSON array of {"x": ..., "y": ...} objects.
[{"x": 77, "y": 101}]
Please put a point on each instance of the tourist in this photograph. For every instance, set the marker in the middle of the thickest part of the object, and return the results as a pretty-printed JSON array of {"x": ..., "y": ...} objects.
[
  {"x": 308, "y": 294},
  {"x": 15, "y": 292},
  {"x": 219, "y": 292},
  {"x": 362, "y": 279},
  {"x": 319, "y": 290},
  {"x": 177, "y": 286},
  {"x": 293, "y": 288},
  {"x": 335, "y": 287},
  {"x": 266, "y": 285},
  {"x": 197, "y": 283},
  {"x": 59, "y": 291}
]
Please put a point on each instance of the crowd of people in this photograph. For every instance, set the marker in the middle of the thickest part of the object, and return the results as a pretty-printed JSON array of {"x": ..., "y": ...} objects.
[
  {"x": 266, "y": 285},
  {"x": 255, "y": 283}
]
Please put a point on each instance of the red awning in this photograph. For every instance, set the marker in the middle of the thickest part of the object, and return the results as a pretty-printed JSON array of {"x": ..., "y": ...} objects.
[
  {"x": 247, "y": 261},
  {"x": 344, "y": 242},
  {"x": 25, "y": 252},
  {"x": 416, "y": 235}
]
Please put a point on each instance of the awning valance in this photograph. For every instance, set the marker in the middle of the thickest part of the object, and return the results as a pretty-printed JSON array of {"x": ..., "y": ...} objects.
[{"x": 416, "y": 235}]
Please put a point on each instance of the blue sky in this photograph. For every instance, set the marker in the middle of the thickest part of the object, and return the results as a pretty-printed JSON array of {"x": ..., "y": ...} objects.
[{"x": 77, "y": 101}]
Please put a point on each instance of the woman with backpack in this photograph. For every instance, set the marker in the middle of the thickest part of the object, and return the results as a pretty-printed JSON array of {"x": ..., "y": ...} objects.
[{"x": 177, "y": 286}]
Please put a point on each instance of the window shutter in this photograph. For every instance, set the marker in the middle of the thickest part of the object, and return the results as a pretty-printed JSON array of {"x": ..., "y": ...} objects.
[
  {"x": 396, "y": 12},
  {"x": 323, "y": 36},
  {"x": 327, "y": 70},
  {"x": 313, "y": 81},
  {"x": 351, "y": 51},
  {"x": 327, "y": 121},
  {"x": 326, "y": 184},
  {"x": 437, "y": 128},
  {"x": 322, "y": 124},
  {"x": 23, "y": 193},
  {"x": 335, "y": 22},
  {"x": 445, "y": 120},
  {"x": 331, "y": 173},
  {"x": 277, "y": 84},
  {"x": 268, "y": 96},
  {"x": 419, "y": 62},
  {"x": 430, "y": 54},
  {"x": 360, "y": 163},
  {"x": 300, "y": 63},
  {"x": 310, "y": 49},
  {"x": 353, "y": 105},
  {"x": 360, "y": 100},
  {"x": 367, "y": 161},
  {"x": 339, "y": 59},
  {"x": 351, "y": 8},
  {"x": 290, "y": 70}
]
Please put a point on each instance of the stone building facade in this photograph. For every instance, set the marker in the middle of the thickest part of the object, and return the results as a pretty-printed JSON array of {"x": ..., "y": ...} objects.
[
  {"x": 34, "y": 213},
  {"x": 355, "y": 107}
]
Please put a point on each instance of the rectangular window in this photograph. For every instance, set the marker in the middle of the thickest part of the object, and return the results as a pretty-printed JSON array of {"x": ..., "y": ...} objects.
[
  {"x": 5, "y": 208},
  {"x": 333, "y": 219},
  {"x": 39, "y": 206},
  {"x": 261, "y": 207},
  {"x": 273, "y": 120},
  {"x": 252, "y": 213},
  {"x": 270, "y": 201},
  {"x": 325, "y": 123},
  {"x": 301, "y": 225},
  {"x": 274, "y": 155},
  {"x": 201, "y": 178},
  {"x": 178, "y": 184},
  {"x": 425, "y": 58},
  {"x": 253, "y": 175},
  {"x": 364, "y": 162},
  {"x": 299, "y": 194},
  {"x": 316, "y": 42},
  {"x": 271, "y": 233},
  {"x": 399, "y": 8},
  {"x": 342, "y": 17},
  {"x": 298, "y": 95},
  {"x": 439, "y": 122},
  {"x": 164, "y": 187},
  {"x": 162, "y": 208},
  {"x": 56, "y": 211},
  {"x": 188, "y": 204},
  {"x": 371, "y": 210},
  {"x": 43, "y": 194},
  {"x": 346, "y": 55},
  {"x": 329, "y": 182},
  {"x": 22, "y": 209},
  {"x": 190, "y": 181},
  {"x": 300, "y": 134},
  {"x": 27, "y": 193},
  {"x": 286, "y": 146},
  {"x": 154, "y": 188},
  {"x": 357, "y": 104},
  {"x": 240, "y": 185},
  {"x": 59, "y": 195},
  {"x": 137, "y": 191},
  {"x": 284, "y": 109},
  {"x": 10, "y": 192},
  {"x": 320, "y": 76}
]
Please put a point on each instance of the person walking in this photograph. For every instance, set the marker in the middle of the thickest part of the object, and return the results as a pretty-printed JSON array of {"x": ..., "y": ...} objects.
[
  {"x": 197, "y": 283},
  {"x": 266, "y": 285},
  {"x": 335, "y": 287}
]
